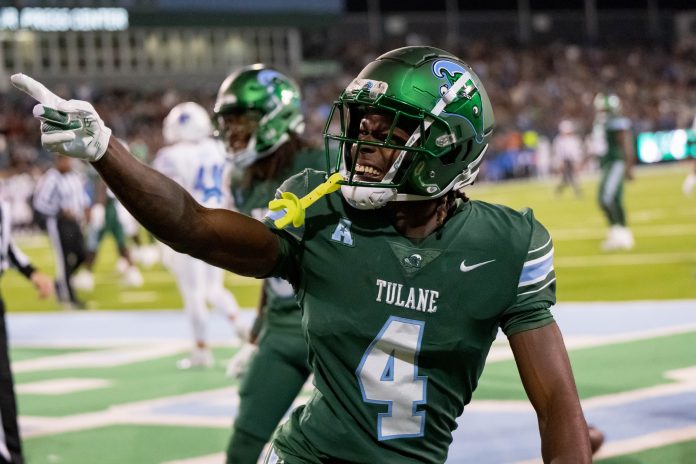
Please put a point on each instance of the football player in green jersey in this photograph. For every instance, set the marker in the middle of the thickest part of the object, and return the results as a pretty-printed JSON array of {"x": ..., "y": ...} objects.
[
  {"x": 259, "y": 117},
  {"x": 613, "y": 143},
  {"x": 403, "y": 281}
]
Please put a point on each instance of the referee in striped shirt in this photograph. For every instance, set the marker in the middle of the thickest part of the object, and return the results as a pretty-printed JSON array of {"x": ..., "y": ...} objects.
[
  {"x": 60, "y": 201},
  {"x": 11, "y": 256}
]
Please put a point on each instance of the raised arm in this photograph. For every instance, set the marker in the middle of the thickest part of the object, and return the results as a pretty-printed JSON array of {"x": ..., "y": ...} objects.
[
  {"x": 547, "y": 377},
  {"x": 223, "y": 238}
]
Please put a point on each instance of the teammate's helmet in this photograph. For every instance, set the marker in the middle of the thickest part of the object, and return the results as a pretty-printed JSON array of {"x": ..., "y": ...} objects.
[
  {"x": 607, "y": 103},
  {"x": 186, "y": 122},
  {"x": 441, "y": 103},
  {"x": 272, "y": 97}
]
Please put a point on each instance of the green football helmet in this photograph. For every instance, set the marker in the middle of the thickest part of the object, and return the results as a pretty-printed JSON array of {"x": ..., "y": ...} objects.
[
  {"x": 272, "y": 98},
  {"x": 437, "y": 99}
]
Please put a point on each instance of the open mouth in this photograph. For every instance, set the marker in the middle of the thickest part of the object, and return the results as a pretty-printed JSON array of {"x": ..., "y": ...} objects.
[{"x": 367, "y": 173}]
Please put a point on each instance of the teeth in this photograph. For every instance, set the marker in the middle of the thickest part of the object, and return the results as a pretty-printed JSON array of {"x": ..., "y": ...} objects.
[{"x": 360, "y": 169}]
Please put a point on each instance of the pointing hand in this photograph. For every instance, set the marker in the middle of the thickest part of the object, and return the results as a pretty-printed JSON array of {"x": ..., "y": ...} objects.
[{"x": 70, "y": 127}]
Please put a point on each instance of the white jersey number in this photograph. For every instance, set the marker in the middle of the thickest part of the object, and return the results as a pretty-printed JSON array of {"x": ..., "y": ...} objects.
[
  {"x": 388, "y": 374},
  {"x": 209, "y": 184}
]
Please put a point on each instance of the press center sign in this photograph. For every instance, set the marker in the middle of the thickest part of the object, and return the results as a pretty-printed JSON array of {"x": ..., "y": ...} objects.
[{"x": 64, "y": 19}]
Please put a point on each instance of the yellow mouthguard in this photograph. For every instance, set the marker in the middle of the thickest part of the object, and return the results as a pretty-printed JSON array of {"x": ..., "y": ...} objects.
[{"x": 295, "y": 207}]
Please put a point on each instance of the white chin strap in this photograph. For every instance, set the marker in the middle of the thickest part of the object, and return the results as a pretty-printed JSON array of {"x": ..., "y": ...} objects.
[{"x": 367, "y": 197}]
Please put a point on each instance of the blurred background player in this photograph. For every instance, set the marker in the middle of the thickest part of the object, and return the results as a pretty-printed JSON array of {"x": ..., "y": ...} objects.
[
  {"x": 196, "y": 161},
  {"x": 568, "y": 153},
  {"x": 17, "y": 184},
  {"x": 11, "y": 256},
  {"x": 104, "y": 219},
  {"x": 613, "y": 143},
  {"x": 690, "y": 181},
  {"x": 60, "y": 201},
  {"x": 258, "y": 115}
]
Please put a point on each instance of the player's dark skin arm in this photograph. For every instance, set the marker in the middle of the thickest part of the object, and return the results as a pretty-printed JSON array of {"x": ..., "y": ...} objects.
[
  {"x": 221, "y": 237},
  {"x": 542, "y": 361}
]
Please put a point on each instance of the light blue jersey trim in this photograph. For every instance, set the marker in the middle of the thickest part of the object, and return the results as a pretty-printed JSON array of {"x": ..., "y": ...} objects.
[{"x": 536, "y": 270}]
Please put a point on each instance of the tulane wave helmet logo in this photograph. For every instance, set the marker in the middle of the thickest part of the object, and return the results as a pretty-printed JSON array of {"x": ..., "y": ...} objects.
[
  {"x": 266, "y": 76},
  {"x": 450, "y": 71}
]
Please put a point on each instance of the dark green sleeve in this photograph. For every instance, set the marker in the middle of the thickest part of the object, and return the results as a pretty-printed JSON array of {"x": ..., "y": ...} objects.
[{"x": 536, "y": 290}]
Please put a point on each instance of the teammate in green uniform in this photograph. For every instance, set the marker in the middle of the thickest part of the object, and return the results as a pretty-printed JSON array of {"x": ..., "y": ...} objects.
[
  {"x": 103, "y": 220},
  {"x": 403, "y": 281},
  {"x": 259, "y": 117},
  {"x": 613, "y": 142}
]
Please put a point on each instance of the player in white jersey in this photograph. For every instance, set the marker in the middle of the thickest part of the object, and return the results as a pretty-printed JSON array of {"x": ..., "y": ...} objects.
[
  {"x": 568, "y": 154},
  {"x": 195, "y": 160}
]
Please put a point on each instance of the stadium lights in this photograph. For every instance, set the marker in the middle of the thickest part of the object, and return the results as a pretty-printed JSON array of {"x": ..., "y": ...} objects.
[{"x": 64, "y": 19}]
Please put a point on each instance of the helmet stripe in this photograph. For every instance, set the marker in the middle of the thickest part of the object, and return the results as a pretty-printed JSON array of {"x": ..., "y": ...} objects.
[{"x": 446, "y": 99}]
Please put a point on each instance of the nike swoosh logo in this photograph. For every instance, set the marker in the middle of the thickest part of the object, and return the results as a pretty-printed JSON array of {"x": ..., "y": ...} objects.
[{"x": 465, "y": 268}]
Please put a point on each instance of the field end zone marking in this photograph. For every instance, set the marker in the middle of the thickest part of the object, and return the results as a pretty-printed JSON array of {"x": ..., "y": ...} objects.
[
  {"x": 645, "y": 442},
  {"x": 637, "y": 444},
  {"x": 129, "y": 413},
  {"x": 142, "y": 413},
  {"x": 684, "y": 380},
  {"x": 502, "y": 352},
  {"x": 99, "y": 359}
]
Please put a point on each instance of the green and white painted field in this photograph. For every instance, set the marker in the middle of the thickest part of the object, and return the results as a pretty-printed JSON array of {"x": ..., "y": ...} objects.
[{"x": 97, "y": 398}]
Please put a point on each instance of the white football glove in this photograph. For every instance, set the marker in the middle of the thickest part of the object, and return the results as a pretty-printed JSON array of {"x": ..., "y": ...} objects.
[
  {"x": 71, "y": 127},
  {"x": 237, "y": 366}
]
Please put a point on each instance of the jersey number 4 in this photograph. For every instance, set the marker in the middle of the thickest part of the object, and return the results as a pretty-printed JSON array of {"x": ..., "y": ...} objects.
[{"x": 388, "y": 374}]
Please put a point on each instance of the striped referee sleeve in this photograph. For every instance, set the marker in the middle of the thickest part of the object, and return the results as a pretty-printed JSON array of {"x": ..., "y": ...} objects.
[{"x": 47, "y": 194}]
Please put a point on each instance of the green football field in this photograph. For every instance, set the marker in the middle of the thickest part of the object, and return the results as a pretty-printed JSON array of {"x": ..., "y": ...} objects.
[
  {"x": 661, "y": 266},
  {"x": 104, "y": 397}
]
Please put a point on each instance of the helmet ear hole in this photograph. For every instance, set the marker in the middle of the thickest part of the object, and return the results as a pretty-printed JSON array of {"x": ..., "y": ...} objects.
[
  {"x": 450, "y": 157},
  {"x": 457, "y": 153}
]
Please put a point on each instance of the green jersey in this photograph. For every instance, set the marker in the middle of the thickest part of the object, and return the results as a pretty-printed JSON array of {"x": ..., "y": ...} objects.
[
  {"x": 281, "y": 309},
  {"x": 606, "y": 134},
  {"x": 398, "y": 331}
]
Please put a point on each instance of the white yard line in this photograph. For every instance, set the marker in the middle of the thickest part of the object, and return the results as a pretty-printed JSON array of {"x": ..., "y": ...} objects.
[
  {"x": 669, "y": 230},
  {"x": 100, "y": 359},
  {"x": 130, "y": 413},
  {"x": 625, "y": 259},
  {"x": 216, "y": 458},
  {"x": 135, "y": 296}
]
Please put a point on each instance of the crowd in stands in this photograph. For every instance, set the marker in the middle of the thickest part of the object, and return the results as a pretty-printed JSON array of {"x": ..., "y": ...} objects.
[{"x": 532, "y": 90}]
